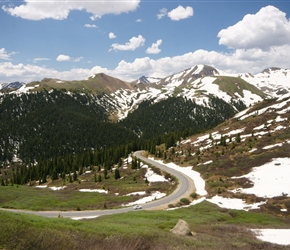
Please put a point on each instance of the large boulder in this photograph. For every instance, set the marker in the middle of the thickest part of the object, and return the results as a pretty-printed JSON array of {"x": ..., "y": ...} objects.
[{"x": 181, "y": 228}]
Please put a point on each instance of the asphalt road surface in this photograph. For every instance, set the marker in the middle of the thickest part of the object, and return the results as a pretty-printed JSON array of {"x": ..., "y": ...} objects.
[{"x": 185, "y": 187}]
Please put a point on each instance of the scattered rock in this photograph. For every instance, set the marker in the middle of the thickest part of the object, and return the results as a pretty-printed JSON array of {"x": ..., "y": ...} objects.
[{"x": 181, "y": 228}]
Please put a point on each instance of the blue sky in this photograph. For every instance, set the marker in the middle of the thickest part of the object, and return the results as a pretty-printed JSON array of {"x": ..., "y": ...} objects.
[{"x": 127, "y": 39}]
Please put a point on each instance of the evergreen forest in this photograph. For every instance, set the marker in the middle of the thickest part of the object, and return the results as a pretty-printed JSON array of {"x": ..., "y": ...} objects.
[{"x": 51, "y": 134}]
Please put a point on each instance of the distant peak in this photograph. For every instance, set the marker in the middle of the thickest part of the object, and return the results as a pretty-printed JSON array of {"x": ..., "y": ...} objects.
[
  {"x": 147, "y": 80},
  {"x": 201, "y": 70},
  {"x": 143, "y": 79},
  {"x": 268, "y": 70}
]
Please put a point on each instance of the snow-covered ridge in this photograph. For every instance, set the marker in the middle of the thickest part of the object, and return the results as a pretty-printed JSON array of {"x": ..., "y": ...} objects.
[
  {"x": 273, "y": 81},
  {"x": 195, "y": 83}
]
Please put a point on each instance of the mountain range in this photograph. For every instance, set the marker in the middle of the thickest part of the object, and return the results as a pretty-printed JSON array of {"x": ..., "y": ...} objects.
[
  {"x": 196, "y": 83},
  {"x": 55, "y": 117}
]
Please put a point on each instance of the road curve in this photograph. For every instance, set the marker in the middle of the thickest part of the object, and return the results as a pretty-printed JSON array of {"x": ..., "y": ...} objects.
[{"x": 185, "y": 187}]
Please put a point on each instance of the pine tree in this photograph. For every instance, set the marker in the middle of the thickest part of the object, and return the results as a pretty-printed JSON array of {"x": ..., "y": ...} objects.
[
  {"x": 75, "y": 176},
  {"x": 54, "y": 174},
  {"x": 134, "y": 163},
  {"x": 117, "y": 174}
]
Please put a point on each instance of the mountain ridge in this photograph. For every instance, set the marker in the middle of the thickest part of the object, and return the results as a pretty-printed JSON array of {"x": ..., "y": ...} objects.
[
  {"x": 273, "y": 74},
  {"x": 196, "y": 83},
  {"x": 99, "y": 83}
]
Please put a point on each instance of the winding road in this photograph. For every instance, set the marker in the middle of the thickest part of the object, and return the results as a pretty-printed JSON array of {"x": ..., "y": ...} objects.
[{"x": 184, "y": 189}]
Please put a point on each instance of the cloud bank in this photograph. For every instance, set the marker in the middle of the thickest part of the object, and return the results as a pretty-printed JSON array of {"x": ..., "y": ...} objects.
[{"x": 59, "y": 10}]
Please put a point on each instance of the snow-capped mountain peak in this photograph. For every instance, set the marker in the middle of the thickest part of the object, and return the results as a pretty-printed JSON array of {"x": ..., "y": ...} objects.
[{"x": 11, "y": 85}]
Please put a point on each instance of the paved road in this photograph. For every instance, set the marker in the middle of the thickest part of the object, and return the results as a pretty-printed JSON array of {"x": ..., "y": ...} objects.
[{"x": 184, "y": 189}]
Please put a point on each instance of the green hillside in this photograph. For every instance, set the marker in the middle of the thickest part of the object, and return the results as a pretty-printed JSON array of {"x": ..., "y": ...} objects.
[
  {"x": 232, "y": 85},
  {"x": 100, "y": 83},
  {"x": 212, "y": 228}
]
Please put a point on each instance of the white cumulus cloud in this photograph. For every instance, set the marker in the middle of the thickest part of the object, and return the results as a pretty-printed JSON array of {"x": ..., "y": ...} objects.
[
  {"x": 112, "y": 35},
  {"x": 154, "y": 49},
  {"x": 59, "y": 10},
  {"x": 239, "y": 61},
  {"x": 63, "y": 58},
  {"x": 134, "y": 43},
  {"x": 267, "y": 28},
  {"x": 180, "y": 13}
]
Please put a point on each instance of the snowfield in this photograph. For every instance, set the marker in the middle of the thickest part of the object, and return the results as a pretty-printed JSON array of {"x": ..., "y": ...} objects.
[
  {"x": 276, "y": 236},
  {"x": 234, "y": 203},
  {"x": 270, "y": 180}
]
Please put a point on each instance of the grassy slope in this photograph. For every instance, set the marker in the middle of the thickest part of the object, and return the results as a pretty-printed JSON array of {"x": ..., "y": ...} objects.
[
  {"x": 99, "y": 83},
  {"x": 213, "y": 228},
  {"x": 232, "y": 85}
]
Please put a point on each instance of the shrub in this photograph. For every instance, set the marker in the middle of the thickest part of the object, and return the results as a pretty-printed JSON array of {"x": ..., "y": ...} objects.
[
  {"x": 193, "y": 195},
  {"x": 184, "y": 201}
]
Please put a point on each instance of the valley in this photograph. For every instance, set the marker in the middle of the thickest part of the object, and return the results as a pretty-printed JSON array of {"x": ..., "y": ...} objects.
[{"x": 67, "y": 147}]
